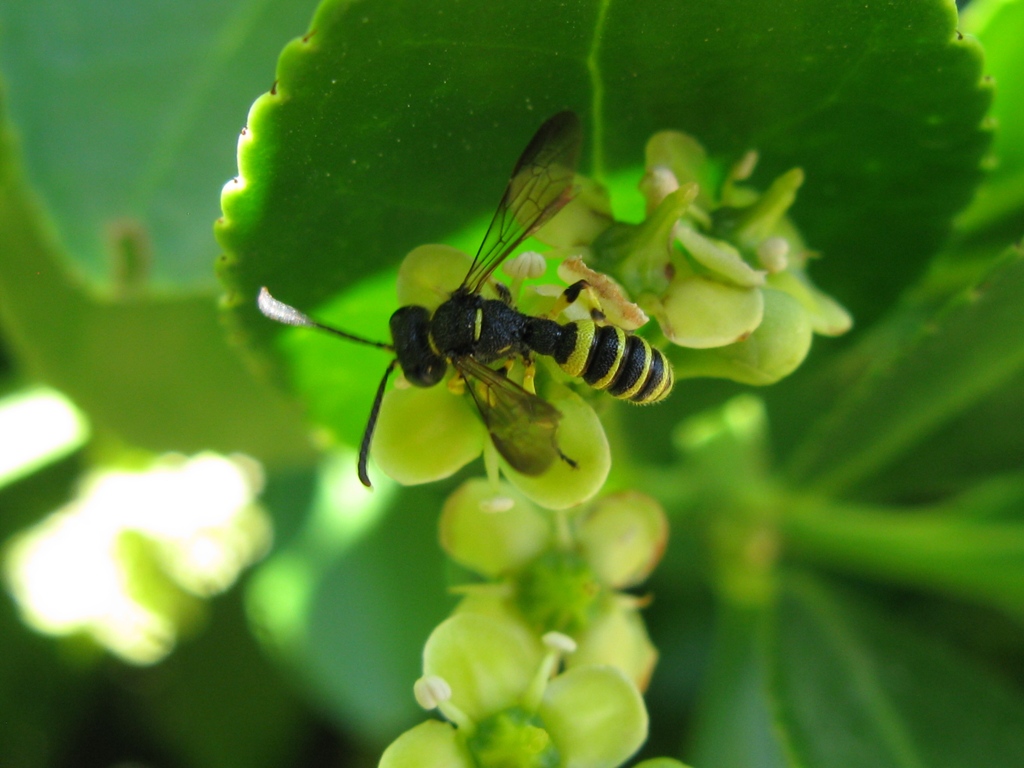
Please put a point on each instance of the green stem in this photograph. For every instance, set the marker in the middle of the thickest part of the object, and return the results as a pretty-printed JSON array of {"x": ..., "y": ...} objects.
[{"x": 934, "y": 550}]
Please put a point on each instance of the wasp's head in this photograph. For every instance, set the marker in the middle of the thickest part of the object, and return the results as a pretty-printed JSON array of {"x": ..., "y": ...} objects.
[{"x": 410, "y": 330}]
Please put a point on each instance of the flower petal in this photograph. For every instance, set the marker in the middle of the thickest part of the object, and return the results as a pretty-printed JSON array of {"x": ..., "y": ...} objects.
[
  {"x": 580, "y": 437},
  {"x": 623, "y": 537},
  {"x": 700, "y": 313},
  {"x": 429, "y": 273},
  {"x": 487, "y": 661},
  {"x": 720, "y": 257},
  {"x": 426, "y": 434},
  {"x": 490, "y": 542},
  {"x": 773, "y": 351},
  {"x": 827, "y": 316},
  {"x": 762, "y": 218},
  {"x": 432, "y": 744},
  {"x": 490, "y": 600},
  {"x": 595, "y": 715},
  {"x": 618, "y": 637}
]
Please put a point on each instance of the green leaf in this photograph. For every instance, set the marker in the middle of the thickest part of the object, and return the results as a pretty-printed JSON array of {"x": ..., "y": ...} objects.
[
  {"x": 970, "y": 349},
  {"x": 129, "y": 118},
  {"x": 155, "y": 371},
  {"x": 855, "y": 688},
  {"x": 959, "y": 552},
  {"x": 980, "y": 442},
  {"x": 394, "y": 124},
  {"x": 998, "y": 209},
  {"x": 734, "y": 725}
]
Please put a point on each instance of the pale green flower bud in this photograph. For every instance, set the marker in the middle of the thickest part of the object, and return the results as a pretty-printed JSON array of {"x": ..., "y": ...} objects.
[
  {"x": 623, "y": 537},
  {"x": 585, "y": 217},
  {"x": 699, "y": 313},
  {"x": 774, "y": 350},
  {"x": 492, "y": 543},
  {"x": 425, "y": 435},
  {"x": 429, "y": 274},
  {"x": 581, "y": 437},
  {"x": 710, "y": 295}
]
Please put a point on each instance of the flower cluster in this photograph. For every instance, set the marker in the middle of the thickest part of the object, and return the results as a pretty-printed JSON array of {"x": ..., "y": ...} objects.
[
  {"x": 545, "y": 658},
  {"x": 497, "y": 684},
  {"x": 561, "y": 573},
  {"x": 718, "y": 264}
]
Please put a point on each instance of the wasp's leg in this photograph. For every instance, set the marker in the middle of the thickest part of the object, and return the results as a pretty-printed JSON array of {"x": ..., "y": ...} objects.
[
  {"x": 571, "y": 294},
  {"x": 364, "y": 447},
  {"x": 457, "y": 384},
  {"x": 503, "y": 293},
  {"x": 529, "y": 374}
]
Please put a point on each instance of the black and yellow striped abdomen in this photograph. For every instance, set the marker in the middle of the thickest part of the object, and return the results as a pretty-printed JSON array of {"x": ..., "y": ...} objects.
[{"x": 608, "y": 358}]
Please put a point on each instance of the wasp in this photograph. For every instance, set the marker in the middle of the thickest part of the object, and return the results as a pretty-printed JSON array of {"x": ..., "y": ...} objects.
[{"x": 470, "y": 332}]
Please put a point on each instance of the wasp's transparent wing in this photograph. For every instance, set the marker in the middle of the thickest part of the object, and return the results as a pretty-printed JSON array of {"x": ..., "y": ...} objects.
[
  {"x": 522, "y": 425},
  {"x": 541, "y": 183}
]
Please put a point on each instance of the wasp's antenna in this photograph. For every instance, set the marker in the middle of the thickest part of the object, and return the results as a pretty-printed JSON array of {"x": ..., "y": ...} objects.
[
  {"x": 288, "y": 315},
  {"x": 364, "y": 448}
]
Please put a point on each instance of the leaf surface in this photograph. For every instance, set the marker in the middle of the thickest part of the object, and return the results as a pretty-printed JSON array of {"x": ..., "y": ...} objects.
[
  {"x": 857, "y": 688},
  {"x": 128, "y": 119},
  {"x": 967, "y": 351},
  {"x": 394, "y": 124}
]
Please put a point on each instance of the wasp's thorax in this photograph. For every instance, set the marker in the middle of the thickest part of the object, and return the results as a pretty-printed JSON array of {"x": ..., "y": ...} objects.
[{"x": 468, "y": 325}]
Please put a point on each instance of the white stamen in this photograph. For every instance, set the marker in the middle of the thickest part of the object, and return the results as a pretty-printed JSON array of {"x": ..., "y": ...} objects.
[
  {"x": 657, "y": 184},
  {"x": 560, "y": 642},
  {"x": 281, "y": 312},
  {"x": 431, "y": 691},
  {"x": 526, "y": 265},
  {"x": 773, "y": 253},
  {"x": 558, "y": 645}
]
